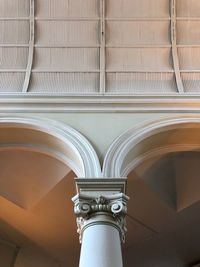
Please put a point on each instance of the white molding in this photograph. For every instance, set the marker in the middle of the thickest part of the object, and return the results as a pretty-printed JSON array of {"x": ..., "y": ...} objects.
[
  {"x": 158, "y": 152},
  {"x": 82, "y": 151},
  {"x": 45, "y": 150},
  {"x": 114, "y": 162},
  {"x": 37, "y": 103}
]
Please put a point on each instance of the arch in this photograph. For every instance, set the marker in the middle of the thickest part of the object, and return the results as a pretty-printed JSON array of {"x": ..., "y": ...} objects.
[
  {"x": 149, "y": 140},
  {"x": 52, "y": 138}
]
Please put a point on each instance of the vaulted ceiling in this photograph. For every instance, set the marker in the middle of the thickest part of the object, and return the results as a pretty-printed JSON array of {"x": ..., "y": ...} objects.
[
  {"x": 163, "y": 218},
  {"x": 163, "y": 222},
  {"x": 100, "y": 47}
]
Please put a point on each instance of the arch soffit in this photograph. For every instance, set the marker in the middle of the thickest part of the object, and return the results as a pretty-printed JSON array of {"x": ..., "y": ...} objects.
[
  {"x": 82, "y": 160},
  {"x": 114, "y": 162}
]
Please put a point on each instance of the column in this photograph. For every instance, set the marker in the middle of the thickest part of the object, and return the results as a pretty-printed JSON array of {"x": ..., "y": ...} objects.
[{"x": 100, "y": 207}]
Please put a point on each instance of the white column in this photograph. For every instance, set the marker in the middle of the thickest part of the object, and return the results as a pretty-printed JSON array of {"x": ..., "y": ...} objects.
[
  {"x": 101, "y": 246},
  {"x": 101, "y": 223}
]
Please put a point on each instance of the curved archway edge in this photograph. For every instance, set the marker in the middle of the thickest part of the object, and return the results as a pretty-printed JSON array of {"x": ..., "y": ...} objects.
[
  {"x": 117, "y": 152},
  {"x": 114, "y": 162},
  {"x": 86, "y": 162}
]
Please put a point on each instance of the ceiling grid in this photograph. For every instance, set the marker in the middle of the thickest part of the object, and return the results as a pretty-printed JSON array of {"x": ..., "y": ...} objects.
[
  {"x": 188, "y": 41},
  {"x": 139, "y": 48},
  {"x": 100, "y": 47}
]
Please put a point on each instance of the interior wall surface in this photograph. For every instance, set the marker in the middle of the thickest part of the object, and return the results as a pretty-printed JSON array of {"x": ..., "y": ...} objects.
[
  {"x": 101, "y": 129},
  {"x": 34, "y": 258},
  {"x": 7, "y": 254}
]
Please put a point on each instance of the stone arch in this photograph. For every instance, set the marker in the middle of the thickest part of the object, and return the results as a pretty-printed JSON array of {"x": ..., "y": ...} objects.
[{"x": 179, "y": 133}]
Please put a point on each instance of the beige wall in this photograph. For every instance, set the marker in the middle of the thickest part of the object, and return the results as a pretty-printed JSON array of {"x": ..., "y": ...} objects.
[{"x": 101, "y": 129}]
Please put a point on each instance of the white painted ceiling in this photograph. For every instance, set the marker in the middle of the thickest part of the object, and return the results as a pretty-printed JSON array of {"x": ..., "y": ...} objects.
[{"x": 130, "y": 46}]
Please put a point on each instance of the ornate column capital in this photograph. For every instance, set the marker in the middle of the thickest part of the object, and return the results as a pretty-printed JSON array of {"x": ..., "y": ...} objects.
[{"x": 101, "y": 201}]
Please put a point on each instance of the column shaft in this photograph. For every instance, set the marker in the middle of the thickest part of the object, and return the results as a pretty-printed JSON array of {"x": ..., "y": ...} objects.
[
  {"x": 101, "y": 247},
  {"x": 100, "y": 207}
]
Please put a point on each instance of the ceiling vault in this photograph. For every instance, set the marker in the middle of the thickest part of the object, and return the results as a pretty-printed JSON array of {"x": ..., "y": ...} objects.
[{"x": 100, "y": 48}]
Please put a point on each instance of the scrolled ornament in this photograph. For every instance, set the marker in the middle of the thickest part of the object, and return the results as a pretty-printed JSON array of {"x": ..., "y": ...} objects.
[
  {"x": 82, "y": 209},
  {"x": 108, "y": 209},
  {"x": 117, "y": 207}
]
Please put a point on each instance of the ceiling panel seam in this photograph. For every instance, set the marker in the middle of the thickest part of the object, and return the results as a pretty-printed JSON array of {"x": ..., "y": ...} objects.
[{"x": 102, "y": 48}]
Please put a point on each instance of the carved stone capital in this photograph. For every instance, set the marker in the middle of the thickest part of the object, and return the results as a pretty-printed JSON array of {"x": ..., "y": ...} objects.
[{"x": 95, "y": 206}]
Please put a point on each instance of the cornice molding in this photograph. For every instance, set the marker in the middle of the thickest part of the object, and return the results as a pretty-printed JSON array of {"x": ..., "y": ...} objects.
[{"x": 96, "y": 103}]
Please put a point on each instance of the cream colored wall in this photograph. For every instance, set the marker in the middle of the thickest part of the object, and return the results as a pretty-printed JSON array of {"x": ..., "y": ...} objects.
[{"x": 101, "y": 129}]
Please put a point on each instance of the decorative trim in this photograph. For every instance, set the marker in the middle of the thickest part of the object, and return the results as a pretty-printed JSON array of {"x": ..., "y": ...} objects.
[
  {"x": 31, "y": 103},
  {"x": 101, "y": 203},
  {"x": 76, "y": 142},
  {"x": 159, "y": 152},
  {"x": 112, "y": 207},
  {"x": 99, "y": 186},
  {"x": 114, "y": 162},
  {"x": 42, "y": 149}
]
